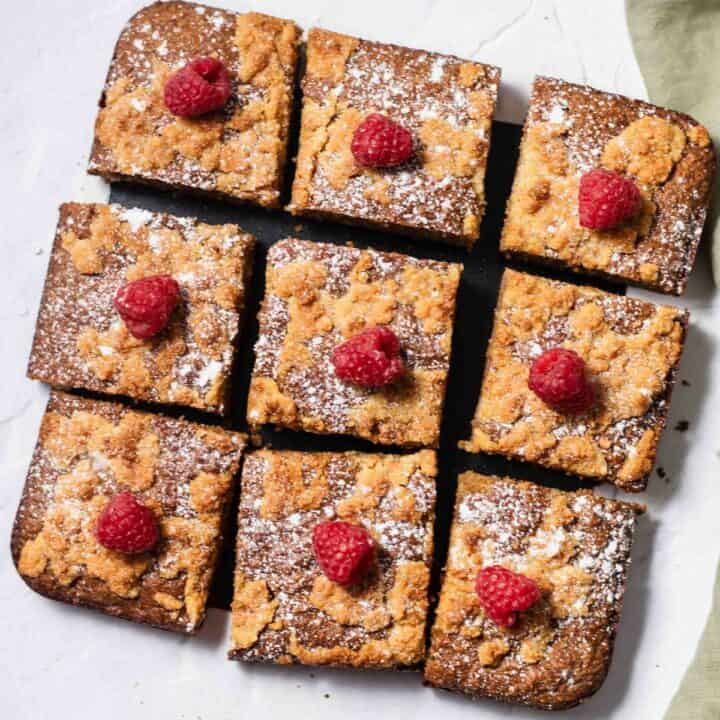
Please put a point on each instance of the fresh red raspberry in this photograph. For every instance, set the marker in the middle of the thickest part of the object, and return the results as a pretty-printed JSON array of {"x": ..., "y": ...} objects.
[
  {"x": 607, "y": 199},
  {"x": 503, "y": 594},
  {"x": 200, "y": 87},
  {"x": 370, "y": 359},
  {"x": 558, "y": 378},
  {"x": 380, "y": 142},
  {"x": 343, "y": 551},
  {"x": 147, "y": 304},
  {"x": 127, "y": 526}
]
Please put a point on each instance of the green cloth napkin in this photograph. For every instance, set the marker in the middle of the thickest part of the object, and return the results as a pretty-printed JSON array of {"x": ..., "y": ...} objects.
[{"x": 677, "y": 43}]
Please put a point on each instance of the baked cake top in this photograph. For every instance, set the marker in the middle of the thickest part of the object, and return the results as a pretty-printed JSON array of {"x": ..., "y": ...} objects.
[
  {"x": 81, "y": 341},
  {"x": 446, "y": 103},
  {"x": 316, "y": 296},
  {"x": 631, "y": 349},
  {"x": 571, "y": 129},
  {"x": 576, "y": 547},
  {"x": 87, "y": 452},
  {"x": 238, "y": 151},
  {"x": 285, "y": 609}
]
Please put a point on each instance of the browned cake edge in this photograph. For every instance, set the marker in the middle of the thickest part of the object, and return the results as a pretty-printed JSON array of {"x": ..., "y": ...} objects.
[{"x": 463, "y": 241}]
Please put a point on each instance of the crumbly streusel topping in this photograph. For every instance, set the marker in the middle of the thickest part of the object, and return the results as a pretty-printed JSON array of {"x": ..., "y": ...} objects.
[
  {"x": 87, "y": 452},
  {"x": 239, "y": 151},
  {"x": 631, "y": 349},
  {"x": 318, "y": 295},
  {"x": 82, "y": 342},
  {"x": 284, "y": 609},
  {"x": 445, "y": 102},
  {"x": 571, "y": 129},
  {"x": 576, "y": 546}
]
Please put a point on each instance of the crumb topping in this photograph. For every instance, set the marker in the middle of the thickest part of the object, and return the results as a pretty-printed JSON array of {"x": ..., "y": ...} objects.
[
  {"x": 576, "y": 546},
  {"x": 631, "y": 349},
  {"x": 89, "y": 451},
  {"x": 572, "y": 129},
  {"x": 319, "y": 295},
  {"x": 284, "y": 609},
  {"x": 82, "y": 342},
  {"x": 239, "y": 151},
  {"x": 445, "y": 102}
]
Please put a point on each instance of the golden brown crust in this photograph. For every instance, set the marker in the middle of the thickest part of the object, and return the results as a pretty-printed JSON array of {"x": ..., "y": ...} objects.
[
  {"x": 80, "y": 340},
  {"x": 88, "y": 451},
  {"x": 239, "y": 152},
  {"x": 576, "y": 546},
  {"x": 571, "y": 129},
  {"x": 631, "y": 349},
  {"x": 284, "y": 609},
  {"x": 317, "y": 296},
  {"x": 445, "y": 102}
]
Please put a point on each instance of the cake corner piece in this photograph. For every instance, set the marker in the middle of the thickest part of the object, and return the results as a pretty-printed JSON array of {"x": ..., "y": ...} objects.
[
  {"x": 237, "y": 152},
  {"x": 89, "y": 453},
  {"x": 571, "y": 130},
  {"x": 575, "y": 548}
]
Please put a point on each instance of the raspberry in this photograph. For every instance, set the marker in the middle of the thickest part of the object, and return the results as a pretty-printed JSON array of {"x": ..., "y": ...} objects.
[
  {"x": 343, "y": 551},
  {"x": 607, "y": 199},
  {"x": 147, "y": 304},
  {"x": 200, "y": 87},
  {"x": 370, "y": 359},
  {"x": 380, "y": 142},
  {"x": 126, "y": 525},
  {"x": 558, "y": 378},
  {"x": 503, "y": 594}
]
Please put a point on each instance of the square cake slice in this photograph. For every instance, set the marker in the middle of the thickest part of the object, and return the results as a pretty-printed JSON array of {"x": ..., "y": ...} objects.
[
  {"x": 319, "y": 295},
  {"x": 88, "y": 452},
  {"x": 237, "y": 152},
  {"x": 285, "y": 609},
  {"x": 445, "y": 103},
  {"x": 575, "y": 547},
  {"x": 630, "y": 349},
  {"x": 573, "y": 129},
  {"x": 82, "y": 342}
]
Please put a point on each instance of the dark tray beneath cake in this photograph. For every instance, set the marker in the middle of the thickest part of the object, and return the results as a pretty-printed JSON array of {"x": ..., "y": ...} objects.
[{"x": 476, "y": 302}]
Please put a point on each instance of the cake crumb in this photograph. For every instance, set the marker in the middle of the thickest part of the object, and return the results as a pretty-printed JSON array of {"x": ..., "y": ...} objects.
[{"x": 682, "y": 426}]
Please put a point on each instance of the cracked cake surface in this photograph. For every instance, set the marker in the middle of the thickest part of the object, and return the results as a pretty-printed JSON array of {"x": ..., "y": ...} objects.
[
  {"x": 445, "y": 102},
  {"x": 81, "y": 341},
  {"x": 571, "y": 129},
  {"x": 318, "y": 295},
  {"x": 576, "y": 547},
  {"x": 88, "y": 451},
  {"x": 631, "y": 350},
  {"x": 237, "y": 152},
  {"x": 285, "y": 610}
]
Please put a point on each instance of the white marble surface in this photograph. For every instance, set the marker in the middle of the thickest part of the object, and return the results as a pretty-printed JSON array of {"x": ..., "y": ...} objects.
[{"x": 62, "y": 662}]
